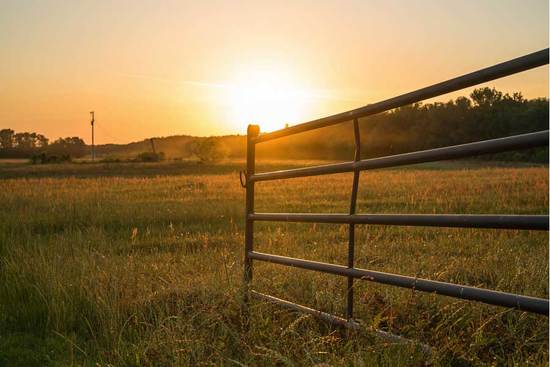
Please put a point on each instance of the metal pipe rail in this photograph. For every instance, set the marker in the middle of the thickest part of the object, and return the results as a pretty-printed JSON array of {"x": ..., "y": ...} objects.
[
  {"x": 523, "y": 141},
  {"x": 498, "y": 71},
  {"x": 350, "y": 324},
  {"x": 531, "y": 304},
  {"x": 525, "y": 222},
  {"x": 517, "y": 222}
]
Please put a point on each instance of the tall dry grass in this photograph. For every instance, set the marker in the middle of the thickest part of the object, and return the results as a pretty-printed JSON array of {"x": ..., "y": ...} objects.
[{"x": 113, "y": 270}]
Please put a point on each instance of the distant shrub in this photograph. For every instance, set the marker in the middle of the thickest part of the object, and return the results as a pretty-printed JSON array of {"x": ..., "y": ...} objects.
[
  {"x": 111, "y": 159},
  {"x": 209, "y": 149},
  {"x": 44, "y": 158},
  {"x": 150, "y": 157},
  {"x": 71, "y": 146}
]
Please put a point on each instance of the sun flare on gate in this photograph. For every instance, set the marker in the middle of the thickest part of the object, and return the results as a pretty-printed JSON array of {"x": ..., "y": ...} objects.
[{"x": 267, "y": 96}]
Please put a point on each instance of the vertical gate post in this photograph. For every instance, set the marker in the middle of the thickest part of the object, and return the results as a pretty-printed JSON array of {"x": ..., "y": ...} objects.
[
  {"x": 252, "y": 132},
  {"x": 352, "y": 208}
]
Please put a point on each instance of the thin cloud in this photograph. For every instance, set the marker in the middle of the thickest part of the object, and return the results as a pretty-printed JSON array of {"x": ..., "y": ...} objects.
[{"x": 324, "y": 94}]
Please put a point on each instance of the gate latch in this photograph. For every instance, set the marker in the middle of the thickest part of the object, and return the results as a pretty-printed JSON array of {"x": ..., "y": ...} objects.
[{"x": 242, "y": 177}]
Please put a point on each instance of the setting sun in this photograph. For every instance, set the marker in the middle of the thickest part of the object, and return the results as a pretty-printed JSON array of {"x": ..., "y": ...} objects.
[
  {"x": 151, "y": 69},
  {"x": 268, "y": 96}
]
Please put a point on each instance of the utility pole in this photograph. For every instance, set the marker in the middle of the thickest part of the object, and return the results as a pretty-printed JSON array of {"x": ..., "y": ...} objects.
[{"x": 93, "y": 148}]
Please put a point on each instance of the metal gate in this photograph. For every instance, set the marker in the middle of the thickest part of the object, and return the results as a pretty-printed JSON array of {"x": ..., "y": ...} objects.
[{"x": 521, "y": 222}]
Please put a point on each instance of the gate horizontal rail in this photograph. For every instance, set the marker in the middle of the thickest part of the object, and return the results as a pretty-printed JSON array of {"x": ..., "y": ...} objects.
[
  {"x": 523, "y": 141},
  {"x": 516, "y": 222},
  {"x": 536, "y": 305},
  {"x": 531, "y": 222}
]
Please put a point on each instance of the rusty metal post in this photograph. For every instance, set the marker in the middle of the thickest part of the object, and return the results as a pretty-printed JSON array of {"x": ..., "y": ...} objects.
[
  {"x": 352, "y": 209},
  {"x": 252, "y": 132}
]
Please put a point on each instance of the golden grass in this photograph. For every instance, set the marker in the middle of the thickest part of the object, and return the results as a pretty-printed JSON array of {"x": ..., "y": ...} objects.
[{"x": 125, "y": 270}]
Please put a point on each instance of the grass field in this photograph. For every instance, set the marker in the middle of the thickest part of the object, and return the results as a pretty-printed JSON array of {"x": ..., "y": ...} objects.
[{"x": 141, "y": 265}]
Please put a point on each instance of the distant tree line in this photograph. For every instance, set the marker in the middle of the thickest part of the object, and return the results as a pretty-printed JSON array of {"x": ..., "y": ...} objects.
[
  {"x": 487, "y": 114},
  {"x": 38, "y": 147}
]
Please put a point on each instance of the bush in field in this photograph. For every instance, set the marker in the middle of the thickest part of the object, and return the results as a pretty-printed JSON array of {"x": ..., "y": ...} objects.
[
  {"x": 209, "y": 149},
  {"x": 71, "y": 146},
  {"x": 150, "y": 157},
  {"x": 44, "y": 158},
  {"x": 111, "y": 159}
]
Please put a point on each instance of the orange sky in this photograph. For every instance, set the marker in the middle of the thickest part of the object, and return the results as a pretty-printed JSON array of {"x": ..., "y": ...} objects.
[{"x": 157, "y": 68}]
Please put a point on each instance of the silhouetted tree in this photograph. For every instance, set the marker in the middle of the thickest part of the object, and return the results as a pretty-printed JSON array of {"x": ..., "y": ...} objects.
[
  {"x": 72, "y": 146},
  {"x": 42, "y": 141},
  {"x": 6, "y": 138},
  {"x": 484, "y": 97},
  {"x": 209, "y": 149},
  {"x": 25, "y": 141}
]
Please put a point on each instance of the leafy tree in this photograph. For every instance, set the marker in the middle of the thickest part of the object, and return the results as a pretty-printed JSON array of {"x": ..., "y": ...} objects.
[
  {"x": 484, "y": 97},
  {"x": 72, "y": 146},
  {"x": 42, "y": 141},
  {"x": 25, "y": 141},
  {"x": 36, "y": 146},
  {"x": 209, "y": 149},
  {"x": 6, "y": 138},
  {"x": 150, "y": 157}
]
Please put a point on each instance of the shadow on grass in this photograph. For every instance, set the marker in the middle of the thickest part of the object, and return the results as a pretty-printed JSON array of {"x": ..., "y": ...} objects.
[
  {"x": 132, "y": 169},
  {"x": 178, "y": 168},
  {"x": 118, "y": 169}
]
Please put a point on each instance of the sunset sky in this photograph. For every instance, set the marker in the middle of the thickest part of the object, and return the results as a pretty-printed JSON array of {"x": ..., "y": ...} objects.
[{"x": 158, "y": 68}]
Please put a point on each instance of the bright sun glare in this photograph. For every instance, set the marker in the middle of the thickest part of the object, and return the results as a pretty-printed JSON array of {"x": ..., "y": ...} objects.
[{"x": 267, "y": 96}]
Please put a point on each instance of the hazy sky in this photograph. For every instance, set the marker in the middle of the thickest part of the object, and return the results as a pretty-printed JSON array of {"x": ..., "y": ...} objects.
[{"x": 157, "y": 68}]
